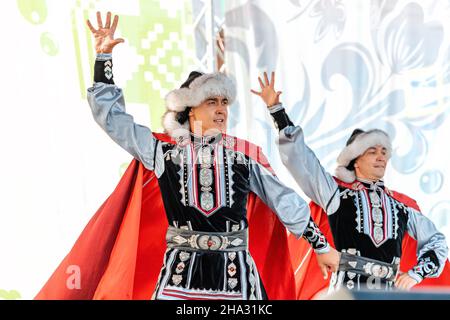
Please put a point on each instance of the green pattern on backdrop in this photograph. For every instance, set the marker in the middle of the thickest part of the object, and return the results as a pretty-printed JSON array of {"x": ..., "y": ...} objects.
[
  {"x": 162, "y": 43},
  {"x": 9, "y": 295},
  {"x": 34, "y": 11}
]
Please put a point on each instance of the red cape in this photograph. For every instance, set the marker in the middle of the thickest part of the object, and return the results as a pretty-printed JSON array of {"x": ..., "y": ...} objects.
[
  {"x": 120, "y": 252},
  {"x": 308, "y": 277}
]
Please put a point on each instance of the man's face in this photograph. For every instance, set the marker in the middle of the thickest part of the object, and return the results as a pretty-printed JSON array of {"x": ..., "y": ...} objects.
[
  {"x": 372, "y": 164},
  {"x": 211, "y": 115}
]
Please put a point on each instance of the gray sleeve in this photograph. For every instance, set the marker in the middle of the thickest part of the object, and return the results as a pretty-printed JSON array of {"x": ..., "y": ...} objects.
[
  {"x": 432, "y": 250},
  {"x": 290, "y": 208},
  {"x": 108, "y": 108},
  {"x": 306, "y": 169}
]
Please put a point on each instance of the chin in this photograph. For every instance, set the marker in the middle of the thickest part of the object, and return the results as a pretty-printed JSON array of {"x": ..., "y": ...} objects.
[
  {"x": 221, "y": 128},
  {"x": 213, "y": 130},
  {"x": 379, "y": 175}
]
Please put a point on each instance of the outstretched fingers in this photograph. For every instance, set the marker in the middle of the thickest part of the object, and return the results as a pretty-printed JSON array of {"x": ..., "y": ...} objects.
[
  {"x": 272, "y": 80},
  {"x": 256, "y": 92},
  {"x": 108, "y": 20},
  {"x": 89, "y": 24},
  {"x": 118, "y": 40},
  {"x": 266, "y": 79},
  {"x": 99, "y": 20},
  {"x": 261, "y": 84},
  {"x": 114, "y": 24}
]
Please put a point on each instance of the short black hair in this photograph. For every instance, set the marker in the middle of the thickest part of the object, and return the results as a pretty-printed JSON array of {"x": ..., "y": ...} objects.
[
  {"x": 183, "y": 116},
  {"x": 353, "y": 136},
  {"x": 192, "y": 76}
]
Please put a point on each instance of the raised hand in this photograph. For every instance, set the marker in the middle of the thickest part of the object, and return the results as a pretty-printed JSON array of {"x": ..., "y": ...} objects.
[
  {"x": 268, "y": 93},
  {"x": 104, "y": 36}
]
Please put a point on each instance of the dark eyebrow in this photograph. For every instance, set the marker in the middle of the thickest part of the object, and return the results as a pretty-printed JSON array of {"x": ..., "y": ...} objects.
[{"x": 213, "y": 99}]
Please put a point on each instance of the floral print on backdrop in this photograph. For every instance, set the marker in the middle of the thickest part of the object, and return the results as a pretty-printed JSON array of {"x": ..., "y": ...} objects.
[{"x": 343, "y": 64}]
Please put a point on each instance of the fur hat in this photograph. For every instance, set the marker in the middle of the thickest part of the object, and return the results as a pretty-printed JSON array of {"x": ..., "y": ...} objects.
[
  {"x": 356, "y": 145},
  {"x": 195, "y": 90}
]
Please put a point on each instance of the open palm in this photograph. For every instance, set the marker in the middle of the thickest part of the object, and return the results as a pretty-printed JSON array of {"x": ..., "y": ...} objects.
[
  {"x": 268, "y": 93},
  {"x": 104, "y": 35}
]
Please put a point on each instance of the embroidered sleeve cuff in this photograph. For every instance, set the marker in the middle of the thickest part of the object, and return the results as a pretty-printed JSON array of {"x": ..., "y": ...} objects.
[
  {"x": 276, "y": 108},
  {"x": 427, "y": 265},
  {"x": 315, "y": 237},
  {"x": 325, "y": 249},
  {"x": 415, "y": 276},
  {"x": 104, "y": 56},
  {"x": 103, "y": 68},
  {"x": 280, "y": 117}
]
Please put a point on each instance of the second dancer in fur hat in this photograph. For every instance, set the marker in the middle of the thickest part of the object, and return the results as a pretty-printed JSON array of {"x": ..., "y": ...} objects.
[{"x": 369, "y": 222}]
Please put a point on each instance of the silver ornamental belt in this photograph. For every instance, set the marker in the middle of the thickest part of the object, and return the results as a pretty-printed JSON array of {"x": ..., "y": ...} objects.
[
  {"x": 206, "y": 241},
  {"x": 368, "y": 267}
]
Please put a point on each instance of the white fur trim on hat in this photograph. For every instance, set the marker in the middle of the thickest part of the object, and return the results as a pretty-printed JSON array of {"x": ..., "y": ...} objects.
[
  {"x": 173, "y": 128},
  {"x": 362, "y": 142},
  {"x": 344, "y": 174},
  {"x": 204, "y": 87}
]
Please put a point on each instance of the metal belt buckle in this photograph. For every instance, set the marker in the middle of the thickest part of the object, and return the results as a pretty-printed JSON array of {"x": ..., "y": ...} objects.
[{"x": 206, "y": 242}]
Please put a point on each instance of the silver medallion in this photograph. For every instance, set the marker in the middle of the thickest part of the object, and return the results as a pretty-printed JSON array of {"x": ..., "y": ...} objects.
[
  {"x": 203, "y": 242},
  {"x": 232, "y": 256},
  {"x": 232, "y": 269},
  {"x": 179, "y": 239},
  {"x": 380, "y": 271},
  {"x": 206, "y": 156},
  {"x": 206, "y": 177},
  {"x": 184, "y": 256},
  {"x": 378, "y": 234},
  {"x": 180, "y": 267},
  {"x": 206, "y": 242},
  {"x": 375, "y": 199},
  {"x": 236, "y": 242},
  {"x": 206, "y": 201},
  {"x": 350, "y": 284},
  {"x": 235, "y": 227},
  {"x": 176, "y": 279},
  {"x": 377, "y": 215},
  {"x": 232, "y": 283},
  {"x": 214, "y": 243}
]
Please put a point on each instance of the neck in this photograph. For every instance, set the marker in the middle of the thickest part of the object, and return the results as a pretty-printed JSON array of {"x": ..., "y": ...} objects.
[
  {"x": 209, "y": 133},
  {"x": 199, "y": 131},
  {"x": 206, "y": 138},
  {"x": 367, "y": 180}
]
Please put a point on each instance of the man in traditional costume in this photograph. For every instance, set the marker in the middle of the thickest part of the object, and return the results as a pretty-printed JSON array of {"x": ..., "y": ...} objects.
[
  {"x": 374, "y": 227},
  {"x": 195, "y": 200}
]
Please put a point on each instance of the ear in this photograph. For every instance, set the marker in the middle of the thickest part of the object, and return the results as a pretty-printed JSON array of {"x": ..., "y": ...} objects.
[{"x": 191, "y": 112}]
